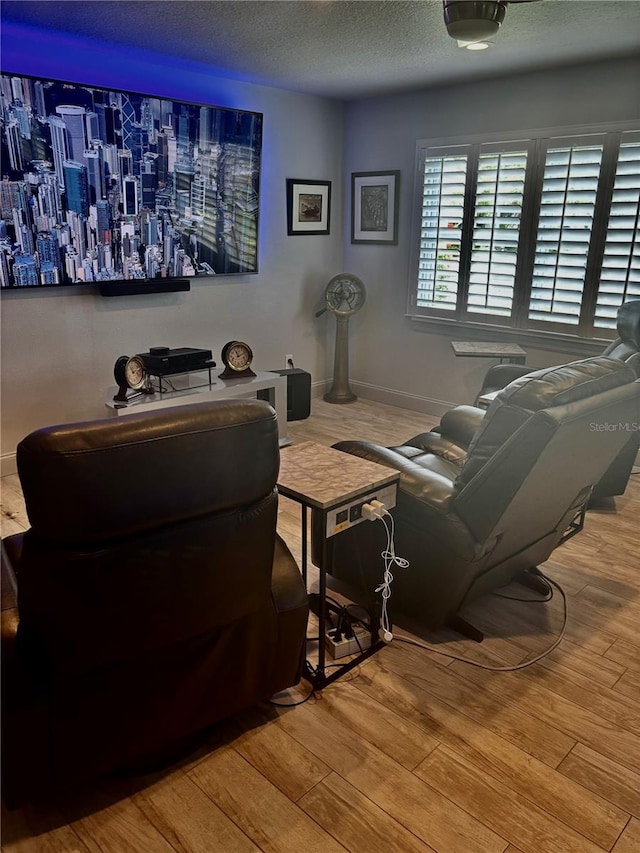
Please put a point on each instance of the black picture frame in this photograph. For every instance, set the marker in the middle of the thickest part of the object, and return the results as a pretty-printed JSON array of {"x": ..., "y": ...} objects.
[
  {"x": 308, "y": 207},
  {"x": 374, "y": 207}
]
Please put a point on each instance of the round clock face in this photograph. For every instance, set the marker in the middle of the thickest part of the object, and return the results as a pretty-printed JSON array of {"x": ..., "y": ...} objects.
[
  {"x": 238, "y": 356},
  {"x": 345, "y": 294},
  {"x": 135, "y": 373}
]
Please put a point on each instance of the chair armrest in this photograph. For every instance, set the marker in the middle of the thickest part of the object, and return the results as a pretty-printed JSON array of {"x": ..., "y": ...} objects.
[
  {"x": 291, "y": 604},
  {"x": 428, "y": 486},
  {"x": 9, "y": 622},
  {"x": 9, "y": 558},
  {"x": 26, "y": 747},
  {"x": 451, "y": 438},
  {"x": 459, "y": 425},
  {"x": 438, "y": 445},
  {"x": 634, "y": 363},
  {"x": 500, "y": 375},
  {"x": 426, "y": 497},
  {"x": 287, "y": 588}
]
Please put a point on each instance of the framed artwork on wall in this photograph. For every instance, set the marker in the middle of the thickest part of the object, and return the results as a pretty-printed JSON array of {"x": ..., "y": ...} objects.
[
  {"x": 374, "y": 207},
  {"x": 308, "y": 206}
]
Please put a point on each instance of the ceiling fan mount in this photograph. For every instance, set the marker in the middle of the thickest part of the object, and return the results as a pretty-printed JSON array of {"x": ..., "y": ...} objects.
[{"x": 470, "y": 21}]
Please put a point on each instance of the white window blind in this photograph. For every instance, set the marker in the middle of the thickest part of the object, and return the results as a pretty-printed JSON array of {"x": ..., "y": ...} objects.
[
  {"x": 565, "y": 224},
  {"x": 496, "y": 231},
  {"x": 441, "y": 230},
  {"x": 537, "y": 232},
  {"x": 620, "y": 271}
]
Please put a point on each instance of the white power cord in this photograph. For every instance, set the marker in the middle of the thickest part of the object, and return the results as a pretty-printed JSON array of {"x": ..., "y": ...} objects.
[
  {"x": 376, "y": 510},
  {"x": 411, "y": 641}
]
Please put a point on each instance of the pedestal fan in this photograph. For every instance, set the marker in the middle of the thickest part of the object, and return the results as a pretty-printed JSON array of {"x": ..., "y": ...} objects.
[{"x": 343, "y": 296}]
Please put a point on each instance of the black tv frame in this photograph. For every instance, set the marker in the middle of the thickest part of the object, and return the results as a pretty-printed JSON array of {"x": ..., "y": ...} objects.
[{"x": 199, "y": 197}]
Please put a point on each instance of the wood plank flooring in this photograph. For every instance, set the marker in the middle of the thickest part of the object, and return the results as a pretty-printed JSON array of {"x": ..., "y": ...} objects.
[{"x": 412, "y": 752}]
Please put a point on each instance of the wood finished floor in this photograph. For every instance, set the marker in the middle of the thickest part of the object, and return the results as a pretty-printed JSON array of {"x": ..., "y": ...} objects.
[{"x": 411, "y": 752}]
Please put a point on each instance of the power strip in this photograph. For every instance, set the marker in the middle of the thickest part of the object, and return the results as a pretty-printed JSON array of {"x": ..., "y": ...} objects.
[
  {"x": 348, "y": 514},
  {"x": 348, "y": 646}
]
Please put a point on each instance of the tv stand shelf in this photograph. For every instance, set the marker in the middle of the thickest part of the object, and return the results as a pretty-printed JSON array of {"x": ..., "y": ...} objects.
[
  {"x": 218, "y": 389},
  {"x": 169, "y": 377}
]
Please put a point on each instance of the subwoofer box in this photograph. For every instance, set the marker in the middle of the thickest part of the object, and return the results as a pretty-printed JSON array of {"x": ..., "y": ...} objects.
[{"x": 298, "y": 393}]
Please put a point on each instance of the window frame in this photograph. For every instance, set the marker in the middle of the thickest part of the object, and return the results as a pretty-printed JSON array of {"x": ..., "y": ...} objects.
[{"x": 582, "y": 337}]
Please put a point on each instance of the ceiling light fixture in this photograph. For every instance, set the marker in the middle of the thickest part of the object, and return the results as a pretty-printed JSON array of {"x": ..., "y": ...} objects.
[{"x": 474, "y": 21}]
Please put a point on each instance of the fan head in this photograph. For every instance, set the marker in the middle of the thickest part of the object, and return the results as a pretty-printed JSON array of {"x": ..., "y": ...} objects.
[{"x": 344, "y": 294}]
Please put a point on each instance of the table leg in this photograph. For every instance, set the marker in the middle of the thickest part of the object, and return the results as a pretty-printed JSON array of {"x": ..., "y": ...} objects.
[
  {"x": 322, "y": 591},
  {"x": 304, "y": 544}
]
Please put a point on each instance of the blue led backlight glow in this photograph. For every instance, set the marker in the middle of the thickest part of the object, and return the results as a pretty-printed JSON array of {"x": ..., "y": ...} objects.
[{"x": 62, "y": 56}]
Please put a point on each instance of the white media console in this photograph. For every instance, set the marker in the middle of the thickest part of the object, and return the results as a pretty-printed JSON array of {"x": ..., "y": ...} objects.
[{"x": 273, "y": 384}]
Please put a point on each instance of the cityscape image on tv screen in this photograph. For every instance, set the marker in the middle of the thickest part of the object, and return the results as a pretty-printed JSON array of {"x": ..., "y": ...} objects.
[{"x": 102, "y": 185}]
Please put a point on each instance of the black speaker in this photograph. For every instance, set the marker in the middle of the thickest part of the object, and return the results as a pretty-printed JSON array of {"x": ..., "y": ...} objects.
[
  {"x": 135, "y": 287},
  {"x": 298, "y": 393}
]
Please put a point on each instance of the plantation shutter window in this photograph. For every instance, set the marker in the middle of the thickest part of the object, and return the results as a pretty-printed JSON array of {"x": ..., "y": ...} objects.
[
  {"x": 496, "y": 231},
  {"x": 443, "y": 199},
  {"x": 539, "y": 233},
  {"x": 620, "y": 269},
  {"x": 567, "y": 208}
]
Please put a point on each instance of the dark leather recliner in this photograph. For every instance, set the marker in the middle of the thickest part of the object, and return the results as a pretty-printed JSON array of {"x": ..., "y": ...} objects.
[
  {"x": 154, "y": 596},
  {"x": 458, "y": 426},
  {"x": 470, "y": 522}
]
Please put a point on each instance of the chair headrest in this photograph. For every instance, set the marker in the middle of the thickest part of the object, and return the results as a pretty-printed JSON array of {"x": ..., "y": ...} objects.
[
  {"x": 566, "y": 383},
  {"x": 628, "y": 323},
  {"x": 106, "y": 479}
]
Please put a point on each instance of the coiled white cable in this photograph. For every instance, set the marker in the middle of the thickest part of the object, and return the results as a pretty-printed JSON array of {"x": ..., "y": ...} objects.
[{"x": 390, "y": 559}]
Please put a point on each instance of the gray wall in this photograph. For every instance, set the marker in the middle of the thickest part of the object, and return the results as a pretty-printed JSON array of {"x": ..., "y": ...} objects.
[
  {"x": 393, "y": 358},
  {"x": 59, "y": 347}
]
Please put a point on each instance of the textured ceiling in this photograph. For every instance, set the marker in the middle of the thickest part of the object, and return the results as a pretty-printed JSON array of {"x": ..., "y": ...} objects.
[{"x": 341, "y": 48}]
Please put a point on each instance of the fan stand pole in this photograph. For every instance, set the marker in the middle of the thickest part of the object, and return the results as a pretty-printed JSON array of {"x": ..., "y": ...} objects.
[{"x": 340, "y": 391}]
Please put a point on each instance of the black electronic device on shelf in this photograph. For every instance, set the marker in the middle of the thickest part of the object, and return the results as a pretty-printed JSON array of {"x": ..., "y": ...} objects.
[
  {"x": 135, "y": 373},
  {"x": 163, "y": 361}
]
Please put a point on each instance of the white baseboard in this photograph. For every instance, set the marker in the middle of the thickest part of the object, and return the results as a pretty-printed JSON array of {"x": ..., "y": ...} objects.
[
  {"x": 319, "y": 388},
  {"x": 402, "y": 399},
  {"x": 389, "y": 396}
]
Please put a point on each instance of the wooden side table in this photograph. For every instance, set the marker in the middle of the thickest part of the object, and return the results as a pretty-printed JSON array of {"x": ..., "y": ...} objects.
[{"x": 337, "y": 485}]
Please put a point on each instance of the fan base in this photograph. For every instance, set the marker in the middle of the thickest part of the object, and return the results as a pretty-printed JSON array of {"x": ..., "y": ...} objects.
[{"x": 339, "y": 397}]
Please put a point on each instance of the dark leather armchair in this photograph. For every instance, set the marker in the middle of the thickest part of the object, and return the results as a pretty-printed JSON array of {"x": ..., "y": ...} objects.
[
  {"x": 154, "y": 596},
  {"x": 457, "y": 427},
  {"x": 471, "y": 521}
]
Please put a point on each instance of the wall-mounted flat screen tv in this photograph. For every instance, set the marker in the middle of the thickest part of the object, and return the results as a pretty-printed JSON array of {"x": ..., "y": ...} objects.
[{"x": 107, "y": 186}]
